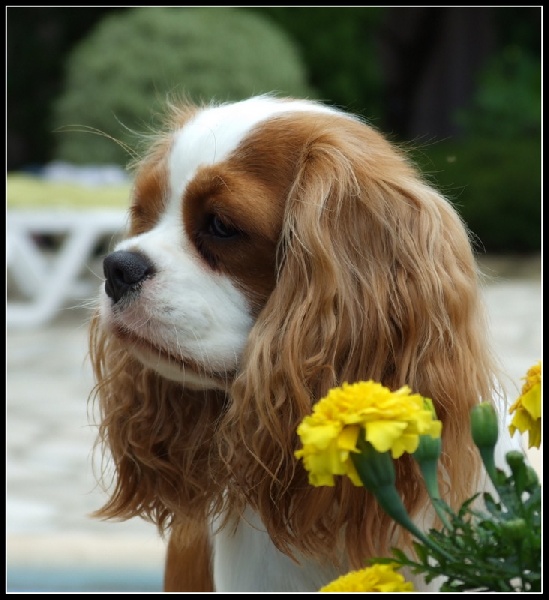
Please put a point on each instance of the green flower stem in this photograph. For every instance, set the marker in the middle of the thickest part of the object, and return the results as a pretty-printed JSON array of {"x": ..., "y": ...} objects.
[
  {"x": 429, "y": 471},
  {"x": 391, "y": 503},
  {"x": 426, "y": 456},
  {"x": 377, "y": 473},
  {"x": 487, "y": 456}
]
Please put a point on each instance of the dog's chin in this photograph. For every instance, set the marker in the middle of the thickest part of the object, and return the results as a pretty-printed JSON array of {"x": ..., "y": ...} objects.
[{"x": 183, "y": 370}]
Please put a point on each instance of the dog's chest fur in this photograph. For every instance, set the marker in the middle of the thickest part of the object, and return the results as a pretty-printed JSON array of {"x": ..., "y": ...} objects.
[{"x": 246, "y": 560}]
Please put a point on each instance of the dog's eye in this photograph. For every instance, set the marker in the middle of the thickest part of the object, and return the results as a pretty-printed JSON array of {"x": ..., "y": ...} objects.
[{"x": 219, "y": 228}]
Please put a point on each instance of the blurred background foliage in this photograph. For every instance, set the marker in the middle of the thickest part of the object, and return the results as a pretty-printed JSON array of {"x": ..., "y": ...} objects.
[
  {"x": 460, "y": 87},
  {"x": 117, "y": 78}
]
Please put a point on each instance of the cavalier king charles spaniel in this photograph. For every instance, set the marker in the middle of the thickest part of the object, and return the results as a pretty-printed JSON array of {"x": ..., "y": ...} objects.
[{"x": 277, "y": 248}]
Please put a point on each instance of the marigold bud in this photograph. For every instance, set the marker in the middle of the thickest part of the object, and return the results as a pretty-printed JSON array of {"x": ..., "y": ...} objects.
[
  {"x": 429, "y": 448},
  {"x": 514, "y": 459},
  {"x": 484, "y": 425},
  {"x": 484, "y": 430}
]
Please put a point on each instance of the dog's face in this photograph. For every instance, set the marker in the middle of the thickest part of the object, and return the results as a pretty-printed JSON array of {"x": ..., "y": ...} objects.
[{"x": 206, "y": 219}]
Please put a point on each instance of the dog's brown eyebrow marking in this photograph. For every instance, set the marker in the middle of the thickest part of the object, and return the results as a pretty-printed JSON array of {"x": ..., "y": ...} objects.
[{"x": 149, "y": 196}]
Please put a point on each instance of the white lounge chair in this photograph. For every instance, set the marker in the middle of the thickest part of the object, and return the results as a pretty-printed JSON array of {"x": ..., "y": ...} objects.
[{"x": 41, "y": 279}]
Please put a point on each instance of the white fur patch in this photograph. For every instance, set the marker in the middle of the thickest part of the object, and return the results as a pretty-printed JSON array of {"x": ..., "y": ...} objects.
[{"x": 246, "y": 560}]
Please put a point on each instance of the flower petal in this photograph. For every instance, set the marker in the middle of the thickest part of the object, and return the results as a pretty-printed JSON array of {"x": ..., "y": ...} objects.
[
  {"x": 532, "y": 401},
  {"x": 534, "y": 435},
  {"x": 348, "y": 437},
  {"x": 405, "y": 443},
  {"x": 319, "y": 435},
  {"x": 382, "y": 434},
  {"x": 521, "y": 421}
]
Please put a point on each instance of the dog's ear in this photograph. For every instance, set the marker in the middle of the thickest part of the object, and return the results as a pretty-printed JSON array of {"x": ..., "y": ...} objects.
[
  {"x": 377, "y": 281},
  {"x": 155, "y": 438}
]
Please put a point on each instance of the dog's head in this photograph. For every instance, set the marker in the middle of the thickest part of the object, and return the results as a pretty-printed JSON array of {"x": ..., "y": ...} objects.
[{"x": 278, "y": 248}]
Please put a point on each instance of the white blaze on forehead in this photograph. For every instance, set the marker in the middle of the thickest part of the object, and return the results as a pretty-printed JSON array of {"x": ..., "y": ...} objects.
[{"x": 215, "y": 132}]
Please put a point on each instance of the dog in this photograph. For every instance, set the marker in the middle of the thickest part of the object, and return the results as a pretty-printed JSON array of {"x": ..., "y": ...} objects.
[{"x": 275, "y": 249}]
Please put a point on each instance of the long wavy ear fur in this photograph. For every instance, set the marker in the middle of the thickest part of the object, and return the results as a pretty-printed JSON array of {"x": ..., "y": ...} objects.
[
  {"x": 158, "y": 437},
  {"x": 377, "y": 281}
]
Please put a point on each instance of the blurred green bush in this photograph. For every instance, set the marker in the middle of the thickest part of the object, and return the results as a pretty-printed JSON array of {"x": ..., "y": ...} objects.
[
  {"x": 507, "y": 102},
  {"x": 495, "y": 185},
  {"x": 493, "y": 171},
  {"x": 340, "y": 48},
  {"x": 119, "y": 76}
]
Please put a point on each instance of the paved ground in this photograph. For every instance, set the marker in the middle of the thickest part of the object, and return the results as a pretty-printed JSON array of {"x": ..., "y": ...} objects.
[{"x": 52, "y": 545}]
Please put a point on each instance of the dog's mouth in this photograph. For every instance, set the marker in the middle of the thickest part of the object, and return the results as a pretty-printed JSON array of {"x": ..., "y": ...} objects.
[{"x": 172, "y": 366}]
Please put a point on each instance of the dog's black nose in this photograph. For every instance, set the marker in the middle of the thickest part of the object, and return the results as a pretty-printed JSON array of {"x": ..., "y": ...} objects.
[{"x": 124, "y": 271}]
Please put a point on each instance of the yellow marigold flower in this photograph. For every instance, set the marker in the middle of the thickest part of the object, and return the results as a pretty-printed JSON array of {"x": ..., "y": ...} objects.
[
  {"x": 527, "y": 408},
  {"x": 391, "y": 421},
  {"x": 377, "y": 578}
]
